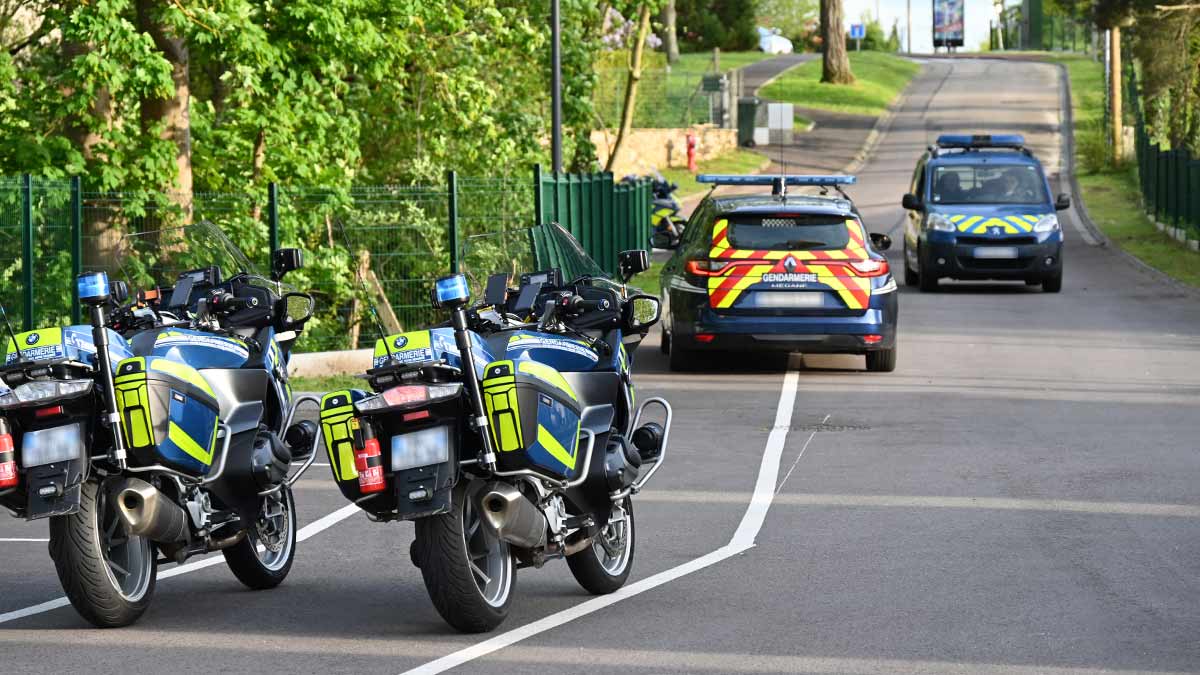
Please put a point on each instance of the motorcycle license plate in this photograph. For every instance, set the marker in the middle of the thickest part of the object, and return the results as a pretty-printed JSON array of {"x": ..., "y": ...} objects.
[
  {"x": 47, "y": 446},
  {"x": 996, "y": 253}
]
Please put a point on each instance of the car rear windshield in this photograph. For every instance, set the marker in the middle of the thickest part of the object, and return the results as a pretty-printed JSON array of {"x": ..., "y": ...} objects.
[
  {"x": 789, "y": 232},
  {"x": 988, "y": 184}
]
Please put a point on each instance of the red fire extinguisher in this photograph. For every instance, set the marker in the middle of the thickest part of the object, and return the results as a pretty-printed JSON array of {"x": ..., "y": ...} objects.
[
  {"x": 691, "y": 152},
  {"x": 368, "y": 460},
  {"x": 8, "y": 459}
]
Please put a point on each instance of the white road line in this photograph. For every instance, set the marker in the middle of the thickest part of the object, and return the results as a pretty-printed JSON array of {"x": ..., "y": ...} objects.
[
  {"x": 798, "y": 457},
  {"x": 21, "y": 539},
  {"x": 312, "y": 529},
  {"x": 743, "y": 539}
]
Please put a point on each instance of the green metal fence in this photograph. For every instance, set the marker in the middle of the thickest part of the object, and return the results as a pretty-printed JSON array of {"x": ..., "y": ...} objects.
[
  {"x": 1027, "y": 27},
  {"x": 370, "y": 246},
  {"x": 1169, "y": 177}
]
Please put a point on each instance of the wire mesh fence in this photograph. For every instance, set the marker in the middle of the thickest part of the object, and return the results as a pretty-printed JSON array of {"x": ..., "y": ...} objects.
[{"x": 371, "y": 252}]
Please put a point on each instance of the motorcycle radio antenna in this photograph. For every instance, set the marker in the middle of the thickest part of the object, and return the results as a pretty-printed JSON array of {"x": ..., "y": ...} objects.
[
  {"x": 370, "y": 300},
  {"x": 12, "y": 334}
]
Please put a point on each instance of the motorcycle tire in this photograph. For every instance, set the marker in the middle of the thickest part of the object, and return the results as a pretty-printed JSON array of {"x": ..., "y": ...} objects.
[
  {"x": 275, "y": 530},
  {"x": 450, "y": 549},
  {"x": 86, "y": 547},
  {"x": 603, "y": 567}
]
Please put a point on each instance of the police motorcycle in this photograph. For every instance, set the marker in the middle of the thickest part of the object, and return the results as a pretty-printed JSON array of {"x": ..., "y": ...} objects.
[
  {"x": 510, "y": 434},
  {"x": 665, "y": 211},
  {"x": 165, "y": 428}
]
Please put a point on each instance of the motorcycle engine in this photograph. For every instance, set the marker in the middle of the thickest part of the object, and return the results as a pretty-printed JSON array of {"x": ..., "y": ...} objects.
[
  {"x": 269, "y": 460},
  {"x": 621, "y": 463}
]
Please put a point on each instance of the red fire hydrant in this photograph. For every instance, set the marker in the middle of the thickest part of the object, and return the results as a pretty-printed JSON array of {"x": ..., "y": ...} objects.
[{"x": 691, "y": 152}]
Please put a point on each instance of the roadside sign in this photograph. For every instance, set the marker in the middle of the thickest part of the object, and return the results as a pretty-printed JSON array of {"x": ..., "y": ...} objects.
[
  {"x": 858, "y": 31},
  {"x": 947, "y": 23}
]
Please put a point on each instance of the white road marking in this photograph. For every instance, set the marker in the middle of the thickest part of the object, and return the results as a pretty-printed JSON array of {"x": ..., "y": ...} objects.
[
  {"x": 743, "y": 539},
  {"x": 312, "y": 529},
  {"x": 21, "y": 539},
  {"x": 797, "y": 462}
]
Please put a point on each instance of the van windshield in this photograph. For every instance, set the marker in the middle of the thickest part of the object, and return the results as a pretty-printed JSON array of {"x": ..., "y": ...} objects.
[
  {"x": 987, "y": 184},
  {"x": 789, "y": 232}
]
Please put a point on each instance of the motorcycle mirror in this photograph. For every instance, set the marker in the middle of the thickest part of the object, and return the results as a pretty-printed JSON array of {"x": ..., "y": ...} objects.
[
  {"x": 119, "y": 291},
  {"x": 294, "y": 309},
  {"x": 495, "y": 294},
  {"x": 642, "y": 312},
  {"x": 285, "y": 260},
  {"x": 633, "y": 263}
]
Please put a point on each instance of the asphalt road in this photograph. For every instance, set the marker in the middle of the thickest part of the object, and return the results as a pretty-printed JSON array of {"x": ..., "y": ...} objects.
[{"x": 1022, "y": 495}]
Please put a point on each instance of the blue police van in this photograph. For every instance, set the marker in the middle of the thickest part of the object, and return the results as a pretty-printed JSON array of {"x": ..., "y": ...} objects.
[{"x": 980, "y": 208}]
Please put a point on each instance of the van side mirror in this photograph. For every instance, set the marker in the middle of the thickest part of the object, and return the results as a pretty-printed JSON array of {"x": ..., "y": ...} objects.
[
  {"x": 285, "y": 260},
  {"x": 911, "y": 203},
  {"x": 880, "y": 242},
  {"x": 633, "y": 263},
  {"x": 1062, "y": 203}
]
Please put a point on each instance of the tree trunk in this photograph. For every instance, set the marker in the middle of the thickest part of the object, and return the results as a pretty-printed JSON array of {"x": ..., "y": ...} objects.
[
  {"x": 670, "y": 36},
  {"x": 171, "y": 112},
  {"x": 631, "y": 86},
  {"x": 835, "y": 63}
]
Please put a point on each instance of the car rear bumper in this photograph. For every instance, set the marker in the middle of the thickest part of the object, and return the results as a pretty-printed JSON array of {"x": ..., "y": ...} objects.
[
  {"x": 704, "y": 329},
  {"x": 1034, "y": 262}
]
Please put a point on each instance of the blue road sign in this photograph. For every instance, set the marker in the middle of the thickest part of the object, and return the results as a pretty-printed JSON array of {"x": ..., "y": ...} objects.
[{"x": 858, "y": 31}]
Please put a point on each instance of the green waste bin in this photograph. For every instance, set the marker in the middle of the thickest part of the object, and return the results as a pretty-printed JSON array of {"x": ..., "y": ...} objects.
[{"x": 747, "y": 116}]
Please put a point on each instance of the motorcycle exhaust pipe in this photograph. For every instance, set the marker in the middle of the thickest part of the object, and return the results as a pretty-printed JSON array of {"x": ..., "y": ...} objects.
[
  {"x": 511, "y": 516},
  {"x": 148, "y": 513}
]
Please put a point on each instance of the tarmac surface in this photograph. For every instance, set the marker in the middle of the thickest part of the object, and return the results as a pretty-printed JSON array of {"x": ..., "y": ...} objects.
[{"x": 1021, "y": 496}]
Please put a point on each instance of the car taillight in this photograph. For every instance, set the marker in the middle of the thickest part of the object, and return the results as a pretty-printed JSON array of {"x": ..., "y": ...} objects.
[
  {"x": 703, "y": 267},
  {"x": 8, "y": 458},
  {"x": 869, "y": 268}
]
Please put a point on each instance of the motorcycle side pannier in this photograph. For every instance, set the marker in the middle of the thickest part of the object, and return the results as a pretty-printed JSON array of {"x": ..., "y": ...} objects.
[
  {"x": 168, "y": 414},
  {"x": 533, "y": 414}
]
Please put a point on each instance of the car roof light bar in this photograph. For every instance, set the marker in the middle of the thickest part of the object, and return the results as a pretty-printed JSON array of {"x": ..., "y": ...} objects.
[
  {"x": 773, "y": 179},
  {"x": 981, "y": 141}
]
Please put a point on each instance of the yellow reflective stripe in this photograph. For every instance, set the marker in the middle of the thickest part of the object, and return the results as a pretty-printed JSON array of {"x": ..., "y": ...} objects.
[
  {"x": 183, "y": 372},
  {"x": 180, "y": 438},
  {"x": 742, "y": 253},
  {"x": 752, "y": 277},
  {"x": 1032, "y": 220},
  {"x": 550, "y": 375},
  {"x": 1020, "y": 223},
  {"x": 556, "y": 450},
  {"x": 957, "y": 219},
  {"x": 965, "y": 225}
]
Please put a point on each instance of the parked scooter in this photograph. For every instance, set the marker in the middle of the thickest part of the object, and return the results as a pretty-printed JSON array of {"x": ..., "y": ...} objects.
[
  {"x": 510, "y": 436},
  {"x": 165, "y": 427}
]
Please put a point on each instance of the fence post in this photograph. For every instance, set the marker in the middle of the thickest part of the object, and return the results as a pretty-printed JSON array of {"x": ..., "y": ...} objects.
[
  {"x": 76, "y": 244},
  {"x": 27, "y": 249},
  {"x": 537, "y": 194},
  {"x": 272, "y": 217},
  {"x": 452, "y": 216}
]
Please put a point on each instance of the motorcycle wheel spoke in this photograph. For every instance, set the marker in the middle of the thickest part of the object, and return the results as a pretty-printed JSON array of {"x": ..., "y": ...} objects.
[
  {"x": 118, "y": 569},
  {"x": 473, "y": 529},
  {"x": 480, "y": 573}
]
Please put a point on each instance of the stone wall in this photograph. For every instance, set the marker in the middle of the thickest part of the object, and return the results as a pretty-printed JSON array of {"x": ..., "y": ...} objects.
[{"x": 662, "y": 148}]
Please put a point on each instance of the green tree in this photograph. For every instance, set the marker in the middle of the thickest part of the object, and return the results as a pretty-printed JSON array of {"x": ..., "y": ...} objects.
[{"x": 728, "y": 24}]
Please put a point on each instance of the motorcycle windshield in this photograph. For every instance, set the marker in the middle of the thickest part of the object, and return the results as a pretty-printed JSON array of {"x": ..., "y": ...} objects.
[
  {"x": 526, "y": 250},
  {"x": 157, "y": 258}
]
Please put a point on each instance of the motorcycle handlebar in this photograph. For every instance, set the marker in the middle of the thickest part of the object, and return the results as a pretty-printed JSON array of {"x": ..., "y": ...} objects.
[{"x": 226, "y": 302}]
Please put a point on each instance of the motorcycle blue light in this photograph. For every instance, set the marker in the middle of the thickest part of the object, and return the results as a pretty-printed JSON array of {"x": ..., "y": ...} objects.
[
  {"x": 92, "y": 286},
  {"x": 451, "y": 290}
]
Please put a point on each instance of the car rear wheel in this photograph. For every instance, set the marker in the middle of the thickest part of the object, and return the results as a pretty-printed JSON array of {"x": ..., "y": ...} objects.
[
  {"x": 910, "y": 277},
  {"x": 881, "y": 361}
]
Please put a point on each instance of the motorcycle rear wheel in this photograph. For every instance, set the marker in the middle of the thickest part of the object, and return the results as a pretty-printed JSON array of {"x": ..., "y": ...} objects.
[
  {"x": 275, "y": 532},
  {"x": 604, "y": 567},
  {"x": 107, "y": 575},
  {"x": 469, "y": 573}
]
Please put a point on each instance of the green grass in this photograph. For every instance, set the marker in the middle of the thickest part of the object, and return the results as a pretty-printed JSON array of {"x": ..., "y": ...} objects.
[
  {"x": 327, "y": 383},
  {"x": 881, "y": 77},
  {"x": 800, "y": 122},
  {"x": 648, "y": 281},
  {"x": 738, "y": 161},
  {"x": 1113, "y": 197},
  {"x": 701, "y": 62}
]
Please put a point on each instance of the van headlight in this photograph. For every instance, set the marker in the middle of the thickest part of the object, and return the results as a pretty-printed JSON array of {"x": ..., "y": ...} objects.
[
  {"x": 937, "y": 221},
  {"x": 1047, "y": 223},
  {"x": 44, "y": 390}
]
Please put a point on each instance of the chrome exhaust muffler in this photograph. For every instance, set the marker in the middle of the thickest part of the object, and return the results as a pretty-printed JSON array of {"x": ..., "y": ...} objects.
[
  {"x": 510, "y": 515},
  {"x": 148, "y": 513}
]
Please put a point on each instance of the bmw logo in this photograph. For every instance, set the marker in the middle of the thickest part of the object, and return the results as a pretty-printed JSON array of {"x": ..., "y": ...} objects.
[
  {"x": 789, "y": 264},
  {"x": 400, "y": 342},
  {"x": 32, "y": 339}
]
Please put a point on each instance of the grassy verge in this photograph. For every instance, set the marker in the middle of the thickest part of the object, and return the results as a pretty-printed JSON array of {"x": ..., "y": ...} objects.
[
  {"x": 881, "y": 78},
  {"x": 738, "y": 161},
  {"x": 327, "y": 383},
  {"x": 648, "y": 281},
  {"x": 1112, "y": 196}
]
